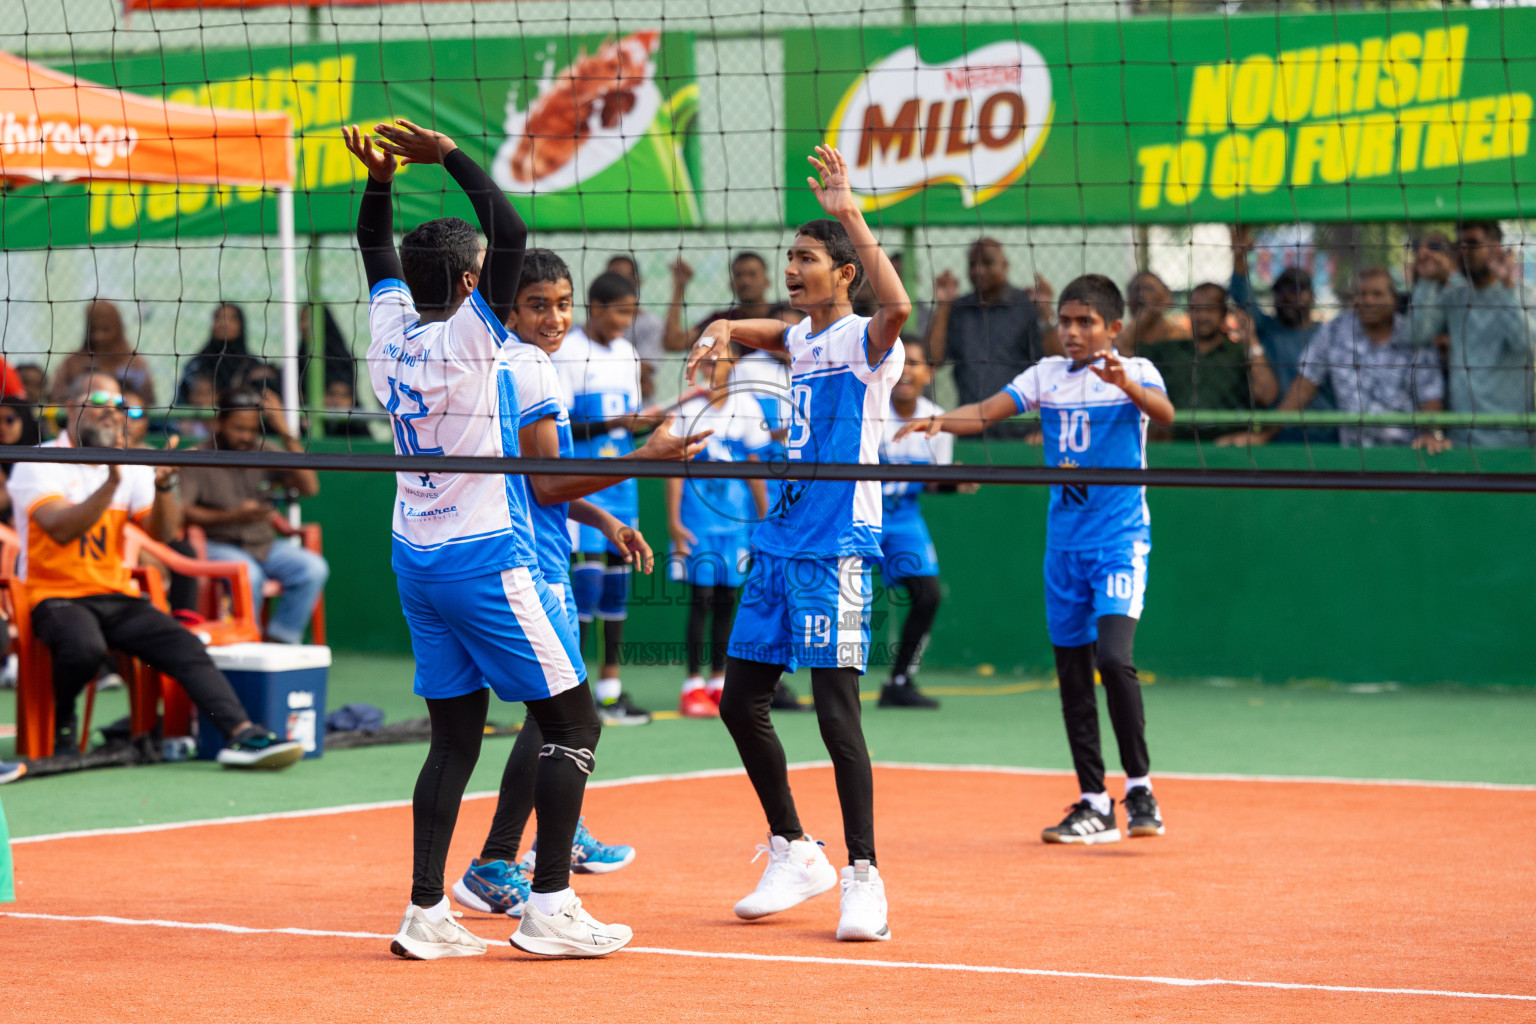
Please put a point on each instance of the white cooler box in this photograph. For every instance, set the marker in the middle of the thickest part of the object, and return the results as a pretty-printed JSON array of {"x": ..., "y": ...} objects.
[{"x": 281, "y": 685}]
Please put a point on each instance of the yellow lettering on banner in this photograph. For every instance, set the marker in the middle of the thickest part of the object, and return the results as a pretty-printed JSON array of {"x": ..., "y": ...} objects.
[
  {"x": 192, "y": 199},
  {"x": 1445, "y": 52},
  {"x": 1477, "y": 139},
  {"x": 1376, "y": 145},
  {"x": 101, "y": 198},
  {"x": 1412, "y": 128},
  {"x": 1343, "y": 142},
  {"x": 123, "y": 209},
  {"x": 1229, "y": 165},
  {"x": 1336, "y": 66},
  {"x": 1402, "y": 81},
  {"x": 1208, "y": 99},
  {"x": 1266, "y": 165},
  {"x": 1187, "y": 173},
  {"x": 1311, "y": 142},
  {"x": 1154, "y": 162},
  {"x": 337, "y": 166},
  {"x": 159, "y": 202},
  {"x": 1440, "y": 136},
  {"x": 1253, "y": 91},
  {"x": 1298, "y": 80},
  {"x": 1511, "y": 126},
  {"x": 1369, "y": 76}
]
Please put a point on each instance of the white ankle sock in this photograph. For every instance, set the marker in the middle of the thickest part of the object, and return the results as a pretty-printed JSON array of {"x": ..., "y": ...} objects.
[
  {"x": 693, "y": 683},
  {"x": 440, "y": 912},
  {"x": 716, "y": 684},
  {"x": 548, "y": 903},
  {"x": 609, "y": 689},
  {"x": 1099, "y": 801},
  {"x": 1138, "y": 782}
]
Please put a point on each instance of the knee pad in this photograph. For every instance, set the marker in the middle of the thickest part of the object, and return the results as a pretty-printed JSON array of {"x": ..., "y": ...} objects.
[
  {"x": 584, "y": 758},
  {"x": 586, "y": 588},
  {"x": 615, "y": 594}
]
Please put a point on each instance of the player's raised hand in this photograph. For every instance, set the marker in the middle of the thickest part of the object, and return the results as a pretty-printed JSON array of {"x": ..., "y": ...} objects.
[
  {"x": 718, "y": 333},
  {"x": 665, "y": 446},
  {"x": 413, "y": 144},
  {"x": 833, "y": 191},
  {"x": 1114, "y": 369},
  {"x": 381, "y": 165},
  {"x": 946, "y": 287},
  {"x": 925, "y": 425},
  {"x": 631, "y": 546}
]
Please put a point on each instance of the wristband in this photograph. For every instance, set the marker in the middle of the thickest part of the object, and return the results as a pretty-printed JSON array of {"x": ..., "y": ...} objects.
[{"x": 170, "y": 483}]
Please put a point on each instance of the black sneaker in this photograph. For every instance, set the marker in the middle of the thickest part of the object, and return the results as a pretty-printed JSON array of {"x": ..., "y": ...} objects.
[
  {"x": 1084, "y": 826},
  {"x": 1142, "y": 818},
  {"x": 65, "y": 742},
  {"x": 903, "y": 693},
  {"x": 255, "y": 747},
  {"x": 622, "y": 711},
  {"x": 784, "y": 699}
]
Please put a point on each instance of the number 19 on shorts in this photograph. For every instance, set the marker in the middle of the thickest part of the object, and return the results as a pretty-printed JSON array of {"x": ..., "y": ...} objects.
[{"x": 818, "y": 630}]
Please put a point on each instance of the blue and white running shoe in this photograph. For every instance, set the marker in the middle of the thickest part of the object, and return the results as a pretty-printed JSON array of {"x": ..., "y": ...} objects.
[
  {"x": 494, "y": 887},
  {"x": 588, "y": 856}
]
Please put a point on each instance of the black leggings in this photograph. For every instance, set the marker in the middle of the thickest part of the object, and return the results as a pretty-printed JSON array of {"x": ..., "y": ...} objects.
[
  {"x": 749, "y": 687},
  {"x": 923, "y": 591},
  {"x": 1122, "y": 689},
  {"x": 704, "y": 600},
  {"x": 558, "y": 783}
]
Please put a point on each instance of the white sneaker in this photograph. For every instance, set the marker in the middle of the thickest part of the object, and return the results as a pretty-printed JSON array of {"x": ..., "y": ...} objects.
[
  {"x": 570, "y": 932},
  {"x": 863, "y": 906},
  {"x": 421, "y": 938},
  {"x": 796, "y": 871}
]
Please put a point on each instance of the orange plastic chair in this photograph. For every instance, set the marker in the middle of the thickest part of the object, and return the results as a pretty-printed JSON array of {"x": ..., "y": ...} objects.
[{"x": 310, "y": 537}]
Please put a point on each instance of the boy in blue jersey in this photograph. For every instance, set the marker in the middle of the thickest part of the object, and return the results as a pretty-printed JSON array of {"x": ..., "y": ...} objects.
[
  {"x": 1094, "y": 409},
  {"x": 807, "y": 596},
  {"x": 479, "y": 612},
  {"x": 710, "y": 521},
  {"x": 495, "y": 882},
  {"x": 600, "y": 373}
]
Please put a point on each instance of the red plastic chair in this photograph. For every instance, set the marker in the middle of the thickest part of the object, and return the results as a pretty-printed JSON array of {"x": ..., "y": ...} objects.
[{"x": 310, "y": 537}]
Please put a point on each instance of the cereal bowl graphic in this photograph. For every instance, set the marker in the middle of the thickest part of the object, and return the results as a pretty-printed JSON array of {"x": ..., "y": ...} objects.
[
  {"x": 976, "y": 122},
  {"x": 583, "y": 120}
]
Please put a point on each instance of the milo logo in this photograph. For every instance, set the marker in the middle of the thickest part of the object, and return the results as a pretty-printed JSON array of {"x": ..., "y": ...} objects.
[{"x": 976, "y": 122}]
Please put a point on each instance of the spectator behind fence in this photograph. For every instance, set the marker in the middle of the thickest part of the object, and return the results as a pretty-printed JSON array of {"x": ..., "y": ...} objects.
[
  {"x": 1488, "y": 329},
  {"x": 1367, "y": 357},
  {"x": 33, "y": 381},
  {"x": 225, "y": 359},
  {"x": 992, "y": 334},
  {"x": 1285, "y": 334},
  {"x": 749, "y": 287},
  {"x": 649, "y": 331},
  {"x": 1221, "y": 368},
  {"x": 1150, "y": 323},
  {"x": 234, "y": 507},
  {"x": 199, "y": 396},
  {"x": 72, "y": 518},
  {"x": 18, "y": 429},
  {"x": 135, "y": 418},
  {"x": 105, "y": 350},
  {"x": 340, "y": 398}
]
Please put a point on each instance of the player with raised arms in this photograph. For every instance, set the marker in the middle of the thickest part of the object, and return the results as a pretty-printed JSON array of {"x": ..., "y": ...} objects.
[
  {"x": 479, "y": 612},
  {"x": 1094, "y": 409},
  {"x": 807, "y": 597}
]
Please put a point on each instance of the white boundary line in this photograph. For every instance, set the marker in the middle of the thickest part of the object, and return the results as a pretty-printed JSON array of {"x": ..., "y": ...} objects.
[
  {"x": 831, "y": 961},
  {"x": 719, "y": 773}
]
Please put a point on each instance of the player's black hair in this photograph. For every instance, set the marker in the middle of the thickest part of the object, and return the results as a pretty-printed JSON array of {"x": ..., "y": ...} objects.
[
  {"x": 839, "y": 246},
  {"x": 610, "y": 287},
  {"x": 1098, "y": 293},
  {"x": 434, "y": 255},
  {"x": 922, "y": 346},
  {"x": 1491, "y": 230},
  {"x": 542, "y": 266},
  {"x": 748, "y": 255}
]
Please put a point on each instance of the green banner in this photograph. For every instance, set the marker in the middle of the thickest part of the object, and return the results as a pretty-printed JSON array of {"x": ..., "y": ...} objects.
[
  {"x": 584, "y": 132},
  {"x": 1320, "y": 117}
]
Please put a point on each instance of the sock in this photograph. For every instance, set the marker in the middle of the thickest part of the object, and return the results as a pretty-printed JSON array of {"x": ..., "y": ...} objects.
[
  {"x": 548, "y": 903},
  {"x": 1138, "y": 782},
  {"x": 1099, "y": 802},
  {"x": 439, "y": 912},
  {"x": 716, "y": 684},
  {"x": 609, "y": 689},
  {"x": 693, "y": 683}
]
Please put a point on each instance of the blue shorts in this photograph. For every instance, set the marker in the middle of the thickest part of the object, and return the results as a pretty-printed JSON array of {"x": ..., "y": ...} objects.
[
  {"x": 715, "y": 560},
  {"x": 1082, "y": 587},
  {"x": 507, "y": 631},
  {"x": 907, "y": 552},
  {"x": 804, "y": 612},
  {"x": 560, "y": 585}
]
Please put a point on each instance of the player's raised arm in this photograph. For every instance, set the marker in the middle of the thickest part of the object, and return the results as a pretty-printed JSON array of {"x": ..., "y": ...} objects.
[
  {"x": 836, "y": 197},
  {"x": 375, "y": 213},
  {"x": 966, "y": 420},
  {"x": 1152, "y": 401},
  {"x": 764, "y": 335},
  {"x": 506, "y": 236},
  {"x": 540, "y": 440}
]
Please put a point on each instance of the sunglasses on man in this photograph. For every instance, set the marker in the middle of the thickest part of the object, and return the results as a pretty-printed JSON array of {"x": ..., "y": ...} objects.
[{"x": 112, "y": 400}]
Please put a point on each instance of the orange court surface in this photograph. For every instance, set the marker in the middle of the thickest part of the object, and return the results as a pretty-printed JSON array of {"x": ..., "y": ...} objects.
[{"x": 1319, "y": 901}]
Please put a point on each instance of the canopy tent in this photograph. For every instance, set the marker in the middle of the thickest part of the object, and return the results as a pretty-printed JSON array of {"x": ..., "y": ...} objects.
[{"x": 55, "y": 127}]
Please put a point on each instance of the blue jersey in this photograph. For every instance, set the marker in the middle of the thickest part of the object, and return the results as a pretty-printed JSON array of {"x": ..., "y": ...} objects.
[
  {"x": 899, "y": 497},
  {"x": 552, "y": 541},
  {"x": 712, "y": 505},
  {"x": 838, "y": 407},
  {"x": 455, "y": 387},
  {"x": 601, "y": 383},
  {"x": 1090, "y": 424}
]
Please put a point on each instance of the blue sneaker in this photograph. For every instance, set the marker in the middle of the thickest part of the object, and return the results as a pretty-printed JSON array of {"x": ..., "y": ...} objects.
[
  {"x": 10, "y": 771},
  {"x": 588, "y": 856},
  {"x": 494, "y": 887}
]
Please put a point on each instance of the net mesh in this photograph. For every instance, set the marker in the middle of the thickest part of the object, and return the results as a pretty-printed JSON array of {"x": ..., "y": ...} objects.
[{"x": 744, "y": 101}]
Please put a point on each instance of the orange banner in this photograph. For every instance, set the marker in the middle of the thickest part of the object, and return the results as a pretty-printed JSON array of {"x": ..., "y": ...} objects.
[{"x": 57, "y": 128}]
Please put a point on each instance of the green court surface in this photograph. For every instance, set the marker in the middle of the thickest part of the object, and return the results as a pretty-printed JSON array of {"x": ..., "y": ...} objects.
[{"x": 1209, "y": 726}]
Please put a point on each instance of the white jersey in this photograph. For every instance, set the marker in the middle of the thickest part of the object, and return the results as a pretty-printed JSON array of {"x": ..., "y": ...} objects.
[
  {"x": 916, "y": 449},
  {"x": 766, "y": 380},
  {"x": 456, "y": 387},
  {"x": 839, "y": 403}
]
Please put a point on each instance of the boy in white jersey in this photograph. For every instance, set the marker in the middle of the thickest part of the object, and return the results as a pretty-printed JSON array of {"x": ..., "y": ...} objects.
[
  {"x": 710, "y": 521},
  {"x": 807, "y": 597},
  {"x": 479, "y": 612},
  {"x": 496, "y": 882},
  {"x": 1094, "y": 410}
]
